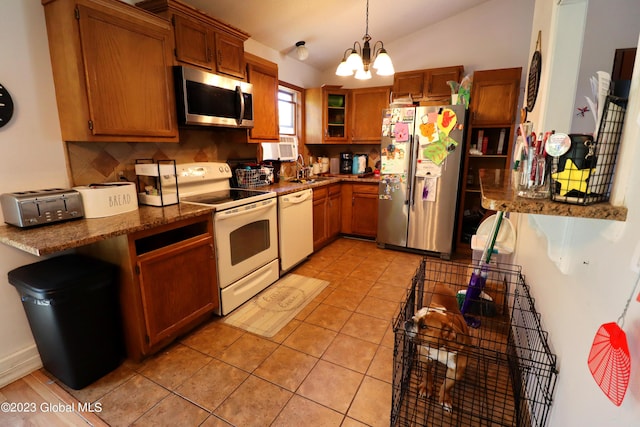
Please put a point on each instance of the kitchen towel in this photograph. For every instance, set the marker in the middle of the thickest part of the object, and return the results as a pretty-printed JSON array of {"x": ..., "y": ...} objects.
[{"x": 273, "y": 308}]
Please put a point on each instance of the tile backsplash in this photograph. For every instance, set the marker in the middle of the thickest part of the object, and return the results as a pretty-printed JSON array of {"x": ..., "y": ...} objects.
[{"x": 90, "y": 162}]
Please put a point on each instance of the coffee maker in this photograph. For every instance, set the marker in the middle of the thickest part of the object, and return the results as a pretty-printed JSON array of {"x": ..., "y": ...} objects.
[{"x": 346, "y": 162}]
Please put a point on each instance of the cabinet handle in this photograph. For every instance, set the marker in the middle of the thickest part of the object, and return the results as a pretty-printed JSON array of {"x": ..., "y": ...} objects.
[
  {"x": 208, "y": 54},
  {"x": 219, "y": 58},
  {"x": 212, "y": 251}
]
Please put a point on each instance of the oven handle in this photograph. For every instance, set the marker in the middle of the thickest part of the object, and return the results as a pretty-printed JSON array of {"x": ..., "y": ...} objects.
[{"x": 231, "y": 214}]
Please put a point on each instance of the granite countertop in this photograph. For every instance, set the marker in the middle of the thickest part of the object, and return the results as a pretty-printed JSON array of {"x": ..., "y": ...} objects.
[
  {"x": 49, "y": 239},
  {"x": 498, "y": 195}
]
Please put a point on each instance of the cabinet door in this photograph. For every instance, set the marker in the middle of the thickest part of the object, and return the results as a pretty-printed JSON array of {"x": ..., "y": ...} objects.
[
  {"x": 409, "y": 83},
  {"x": 435, "y": 81},
  {"x": 366, "y": 113},
  {"x": 177, "y": 284},
  {"x": 334, "y": 211},
  {"x": 194, "y": 42},
  {"x": 229, "y": 55},
  {"x": 264, "y": 78},
  {"x": 364, "y": 220},
  {"x": 127, "y": 72},
  {"x": 494, "y": 97},
  {"x": 320, "y": 233},
  {"x": 335, "y": 116},
  {"x": 364, "y": 215}
]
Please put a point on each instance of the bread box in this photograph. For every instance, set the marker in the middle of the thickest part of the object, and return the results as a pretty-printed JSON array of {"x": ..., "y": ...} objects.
[{"x": 107, "y": 199}]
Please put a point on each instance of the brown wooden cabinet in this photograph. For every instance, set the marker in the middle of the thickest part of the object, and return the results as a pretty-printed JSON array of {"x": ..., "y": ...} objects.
[
  {"x": 263, "y": 75},
  {"x": 360, "y": 209},
  {"x": 427, "y": 85},
  {"x": 326, "y": 214},
  {"x": 201, "y": 40},
  {"x": 327, "y": 115},
  {"x": 167, "y": 281},
  {"x": 491, "y": 132},
  {"x": 366, "y": 113},
  {"x": 112, "y": 71}
]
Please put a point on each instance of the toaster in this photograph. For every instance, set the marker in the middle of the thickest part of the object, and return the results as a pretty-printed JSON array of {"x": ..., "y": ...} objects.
[{"x": 37, "y": 207}]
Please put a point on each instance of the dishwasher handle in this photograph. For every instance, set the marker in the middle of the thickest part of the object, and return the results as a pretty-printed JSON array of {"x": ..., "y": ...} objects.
[{"x": 296, "y": 198}]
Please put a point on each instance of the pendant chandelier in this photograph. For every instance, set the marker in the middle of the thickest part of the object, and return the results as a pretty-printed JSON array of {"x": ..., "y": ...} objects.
[{"x": 358, "y": 59}]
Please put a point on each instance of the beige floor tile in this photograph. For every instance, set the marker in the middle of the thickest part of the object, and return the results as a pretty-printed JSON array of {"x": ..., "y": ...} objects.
[
  {"x": 331, "y": 385},
  {"x": 350, "y": 422},
  {"x": 256, "y": 403},
  {"x": 213, "y": 337},
  {"x": 173, "y": 366},
  {"x": 390, "y": 293},
  {"x": 329, "y": 317},
  {"x": 389, "y": 338},
  {"x": 300, "y": 411},
  {"x": 285, "y": 331},
  {"x": 355, "y": 284},
  {"x": 214, "y": 421},
  {"x": 211, "y": 385},
  {"x": 382, "y": 365},
  {"x": 352, "y": 353},
  {"x": 286, "y": 367},
  {"x": 379, "y": 308},
  {"x": 129, "y": 401},
  {"x": 366, "y": 327},
  {"x": 344, "y": 298},
  {"x": 173, "y": 411},
  {"x": 248, "y": 352},
  {"x": 372, "y": 404},
  {"x": 310, "y": 339},
  {"x": 103, "y": 386}
]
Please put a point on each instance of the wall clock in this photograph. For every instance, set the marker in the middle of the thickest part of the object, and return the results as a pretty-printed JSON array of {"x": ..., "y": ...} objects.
[
  {"x": 533, "y": 83},
  {"x": 6, "y": 106}
]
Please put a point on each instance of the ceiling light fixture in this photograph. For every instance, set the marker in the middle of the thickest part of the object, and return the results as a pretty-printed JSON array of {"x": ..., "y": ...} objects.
[
  {"x": 301, "y": 51},
  {"x": 358, "y": 58}
]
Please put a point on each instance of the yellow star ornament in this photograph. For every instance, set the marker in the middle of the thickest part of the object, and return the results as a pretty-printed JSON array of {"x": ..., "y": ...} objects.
[{"x": 572, "y": 178}]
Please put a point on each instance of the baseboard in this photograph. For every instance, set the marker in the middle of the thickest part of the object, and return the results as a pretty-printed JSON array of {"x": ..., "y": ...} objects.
[{"x": 19, "y": 364}]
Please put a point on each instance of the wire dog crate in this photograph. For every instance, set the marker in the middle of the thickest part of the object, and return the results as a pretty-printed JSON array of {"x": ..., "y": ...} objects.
[{"x": 510, "y": 373}]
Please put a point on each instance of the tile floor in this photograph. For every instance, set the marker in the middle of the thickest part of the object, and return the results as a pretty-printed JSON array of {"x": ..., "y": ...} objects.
[{"x": 330, "y": 366}]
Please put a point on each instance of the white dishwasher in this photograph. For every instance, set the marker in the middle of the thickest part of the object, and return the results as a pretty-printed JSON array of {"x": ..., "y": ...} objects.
[{"x": 295, "y": 227}]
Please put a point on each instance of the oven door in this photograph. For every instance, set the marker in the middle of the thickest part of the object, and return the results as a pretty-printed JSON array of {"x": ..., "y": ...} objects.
[{"x": 246, "y": 238}]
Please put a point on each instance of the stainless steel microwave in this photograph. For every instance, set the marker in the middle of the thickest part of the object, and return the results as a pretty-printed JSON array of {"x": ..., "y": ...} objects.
[{"x": 212, "y": 100}]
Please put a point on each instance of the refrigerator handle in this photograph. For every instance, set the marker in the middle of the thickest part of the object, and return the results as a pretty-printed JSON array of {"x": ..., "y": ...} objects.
[{"x": 413, "y": 167}]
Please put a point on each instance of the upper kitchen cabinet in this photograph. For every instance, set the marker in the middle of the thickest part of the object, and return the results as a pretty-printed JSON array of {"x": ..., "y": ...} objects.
[
  {"x": 111, "y": 67},
  {"x": 494, "y": 96},
  {"x": 366, "y": 113},
  {"x": 263, "y": 75},
  {"x": 426, "y": 85},
  {"x": 200, "y": 40},
  {"x": 327, "y": 115},
  {"x": 490, "y": 135}
]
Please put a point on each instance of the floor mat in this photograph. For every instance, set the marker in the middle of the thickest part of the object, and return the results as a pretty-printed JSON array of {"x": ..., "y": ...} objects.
[{"x": 274, "y": 307}]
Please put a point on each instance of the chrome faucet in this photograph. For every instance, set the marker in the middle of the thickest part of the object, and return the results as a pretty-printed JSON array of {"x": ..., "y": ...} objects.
[{"x": 299, "y": 166}]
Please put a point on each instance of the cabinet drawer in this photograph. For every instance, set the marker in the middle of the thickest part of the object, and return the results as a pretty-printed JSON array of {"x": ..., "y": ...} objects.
[
  {"x": 159, "y": 240},
  {"x": 320, "y": 193},
  {"x": 365, "y": 188}
]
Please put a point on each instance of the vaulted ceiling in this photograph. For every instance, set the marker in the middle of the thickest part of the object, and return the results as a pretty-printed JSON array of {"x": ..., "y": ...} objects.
[{"x": 329, "y": 27}]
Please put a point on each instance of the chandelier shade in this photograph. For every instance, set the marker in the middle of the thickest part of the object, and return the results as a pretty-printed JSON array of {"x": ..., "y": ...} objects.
[{"x": 358, "y": 60}]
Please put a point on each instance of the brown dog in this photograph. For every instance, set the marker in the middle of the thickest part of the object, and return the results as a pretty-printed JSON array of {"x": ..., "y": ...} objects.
[{"x": 441, "y": 331}]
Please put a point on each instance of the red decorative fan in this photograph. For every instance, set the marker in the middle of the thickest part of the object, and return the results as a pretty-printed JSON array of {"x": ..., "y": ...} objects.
[{"x": 609, "y": 361}]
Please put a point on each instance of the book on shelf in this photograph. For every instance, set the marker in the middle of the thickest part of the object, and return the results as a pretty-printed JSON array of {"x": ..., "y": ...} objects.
[{"x": 501, "y": 141}]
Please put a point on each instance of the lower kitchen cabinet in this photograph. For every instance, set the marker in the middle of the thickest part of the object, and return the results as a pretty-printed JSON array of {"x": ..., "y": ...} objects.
[
  {"x": 360, "y": 209},
  {"x": 167, "y": 282},
  {"x": 326, "y": 214}
]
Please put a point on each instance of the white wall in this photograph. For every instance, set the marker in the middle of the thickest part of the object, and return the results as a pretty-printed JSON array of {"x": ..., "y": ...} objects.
[
  {"x": 494, "y": 34},
  {"x": 579, "y": 269},
  {"x": 31, "y": 157}
]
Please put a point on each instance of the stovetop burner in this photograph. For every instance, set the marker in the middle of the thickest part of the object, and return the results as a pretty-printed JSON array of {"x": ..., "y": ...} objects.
[{"x": 223, "y": 196}]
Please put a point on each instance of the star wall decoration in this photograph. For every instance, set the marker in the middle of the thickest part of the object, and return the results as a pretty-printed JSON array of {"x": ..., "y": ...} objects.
[{"x": 572, "y": 178}]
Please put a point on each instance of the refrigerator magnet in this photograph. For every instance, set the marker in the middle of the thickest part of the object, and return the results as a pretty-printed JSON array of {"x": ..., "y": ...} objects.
[{"x": 401, "y": 132}]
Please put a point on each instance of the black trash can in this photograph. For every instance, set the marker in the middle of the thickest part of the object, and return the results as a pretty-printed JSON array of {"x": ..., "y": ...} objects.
[{"x": 71, "y": 302}]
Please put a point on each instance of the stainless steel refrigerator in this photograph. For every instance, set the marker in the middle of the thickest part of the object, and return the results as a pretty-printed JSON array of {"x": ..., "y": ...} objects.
[{"x": 420, "y": 160}]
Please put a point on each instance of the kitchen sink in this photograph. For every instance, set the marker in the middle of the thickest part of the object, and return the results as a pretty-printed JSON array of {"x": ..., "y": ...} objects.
[{"x": 311, "y": 180}]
